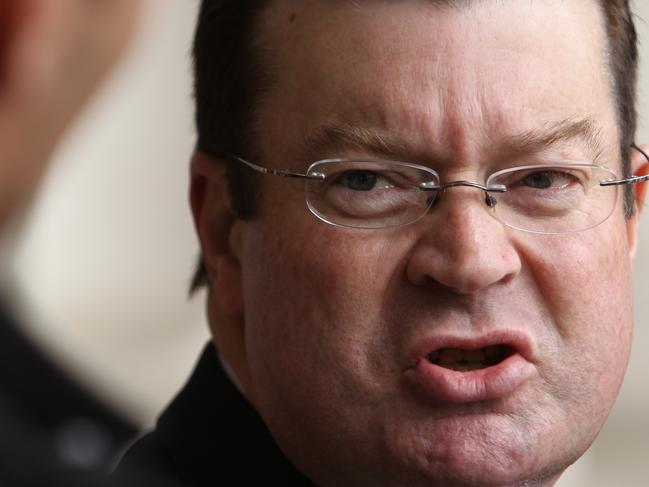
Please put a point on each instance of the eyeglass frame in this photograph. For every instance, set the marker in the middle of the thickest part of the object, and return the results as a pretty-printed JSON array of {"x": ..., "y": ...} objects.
[{"x": 429, "y": 186}]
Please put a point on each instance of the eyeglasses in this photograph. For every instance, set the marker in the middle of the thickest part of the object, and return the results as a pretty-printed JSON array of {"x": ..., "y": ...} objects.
[{"x": 562, "y": 197}]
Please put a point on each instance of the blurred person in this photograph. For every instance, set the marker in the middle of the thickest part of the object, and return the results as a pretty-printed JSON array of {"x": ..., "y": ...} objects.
[
  {"x": 53, "y": 55},
  {"x": 451, "y": 305}
]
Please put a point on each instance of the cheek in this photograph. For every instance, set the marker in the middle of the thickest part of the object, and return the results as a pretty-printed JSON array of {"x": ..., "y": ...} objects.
[
  {"x": 584, "y": 282},
  {"x": 315, "y": 332},
  {"x": 314, "y": 299}
]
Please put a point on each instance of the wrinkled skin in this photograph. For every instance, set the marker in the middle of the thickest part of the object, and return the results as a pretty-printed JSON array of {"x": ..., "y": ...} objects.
[{"x": 318, "y": 322}]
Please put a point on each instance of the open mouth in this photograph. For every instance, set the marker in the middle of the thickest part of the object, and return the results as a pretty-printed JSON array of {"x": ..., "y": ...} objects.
[
  {"x": 464, "y": 360},
  {"x": 457, "y": 369}
]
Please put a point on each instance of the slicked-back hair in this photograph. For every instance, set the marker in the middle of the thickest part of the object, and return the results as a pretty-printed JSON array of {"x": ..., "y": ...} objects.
[
  {"x": 230, "y": 77},
  {"x": 623, "y": 66}
]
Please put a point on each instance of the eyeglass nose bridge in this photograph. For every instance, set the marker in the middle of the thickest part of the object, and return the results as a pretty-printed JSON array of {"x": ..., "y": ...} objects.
[{"x": 490, "y": 201}]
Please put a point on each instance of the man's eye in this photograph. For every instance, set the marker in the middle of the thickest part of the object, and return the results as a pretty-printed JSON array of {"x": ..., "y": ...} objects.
[
  {"x": 547, "y": 180},
  {"x": 361, "y": 180}
]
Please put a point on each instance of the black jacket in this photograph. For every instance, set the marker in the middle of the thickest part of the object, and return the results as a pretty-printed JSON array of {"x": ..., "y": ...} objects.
[
  {"x": 210, "y": 436},
  {"x": 53, "y": 433}
]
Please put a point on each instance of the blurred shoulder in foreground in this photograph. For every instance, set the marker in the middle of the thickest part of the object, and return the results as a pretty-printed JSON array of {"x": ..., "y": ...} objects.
[{"x": 53, "y": 55}]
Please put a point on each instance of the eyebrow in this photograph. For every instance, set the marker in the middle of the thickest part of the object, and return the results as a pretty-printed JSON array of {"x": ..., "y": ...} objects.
[
  {"x": 534, "y": 141},
  {"x": 329, "y": 139},
  {"x": 344, "y": 136}
]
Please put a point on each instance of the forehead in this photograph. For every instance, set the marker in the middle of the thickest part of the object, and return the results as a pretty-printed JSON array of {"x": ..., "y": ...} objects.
[{"x": 449, "y": 80}]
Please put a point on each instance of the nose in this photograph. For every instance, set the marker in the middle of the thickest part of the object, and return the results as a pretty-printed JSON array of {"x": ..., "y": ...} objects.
[{"x": 461, "y": 246}]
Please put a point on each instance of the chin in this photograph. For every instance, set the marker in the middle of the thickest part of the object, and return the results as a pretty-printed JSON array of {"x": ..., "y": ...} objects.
[
  {"x": 465, "y": 456},
  {"x": 490, "y": 473}
]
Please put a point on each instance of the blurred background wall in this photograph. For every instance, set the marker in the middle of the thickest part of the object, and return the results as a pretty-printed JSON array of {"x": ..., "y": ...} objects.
[{"x": 106, "y": 256}]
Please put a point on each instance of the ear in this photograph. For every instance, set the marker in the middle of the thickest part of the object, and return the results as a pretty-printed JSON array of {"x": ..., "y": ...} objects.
[
  {"x": 218, "y": 230},
  {"x": 639, "y": 167},
  {"x": 220, "y": 235}
]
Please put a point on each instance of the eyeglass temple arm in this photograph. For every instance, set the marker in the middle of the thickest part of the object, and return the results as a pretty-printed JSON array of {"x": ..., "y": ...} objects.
[
  {"x": 631, "y": 180},
  {"x": 432, "y": 186},
  {"x": 279, "y": 172}
]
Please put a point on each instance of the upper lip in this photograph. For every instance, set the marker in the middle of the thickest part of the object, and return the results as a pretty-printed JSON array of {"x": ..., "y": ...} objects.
[{"x": 519, "y": 341}]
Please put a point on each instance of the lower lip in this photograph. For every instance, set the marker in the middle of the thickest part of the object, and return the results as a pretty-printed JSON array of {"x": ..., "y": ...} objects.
[{"x": 450, "y": 386}]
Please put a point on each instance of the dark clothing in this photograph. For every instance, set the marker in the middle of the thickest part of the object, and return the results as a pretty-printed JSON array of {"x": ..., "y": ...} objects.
[
  {"x": 53, "y": 432},
  {"x": 210, "y": 435}
]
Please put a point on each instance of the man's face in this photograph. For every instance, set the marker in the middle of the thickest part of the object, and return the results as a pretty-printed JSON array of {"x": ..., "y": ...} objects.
[{"x": 339, "y": 322}]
